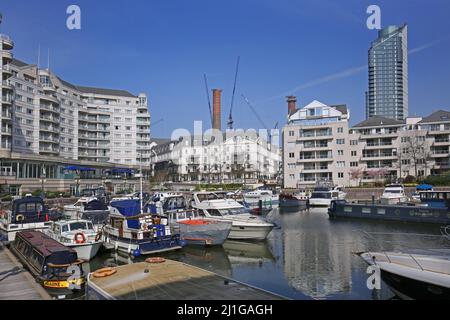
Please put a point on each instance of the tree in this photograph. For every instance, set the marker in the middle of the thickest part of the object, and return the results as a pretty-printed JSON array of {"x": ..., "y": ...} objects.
[
  {"x": 415, "y": 149},
  {"x": 357, "y": 174}
]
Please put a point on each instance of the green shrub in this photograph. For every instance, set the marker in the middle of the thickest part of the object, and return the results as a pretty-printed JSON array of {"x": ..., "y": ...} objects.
[
  {"x": 438, "y": 180},
  {"x": 7, "y": 198}
]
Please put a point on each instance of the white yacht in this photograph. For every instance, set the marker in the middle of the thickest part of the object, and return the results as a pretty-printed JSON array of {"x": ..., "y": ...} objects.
[
  {"x": 393, "y": 194},
  {"x": 89, "y": 208},
  {"x": 79, "y": 235},
  {"x": 244, "y": 225},
  {"x": 323, "y": 195},
  {"x": 269, "y": 200}
]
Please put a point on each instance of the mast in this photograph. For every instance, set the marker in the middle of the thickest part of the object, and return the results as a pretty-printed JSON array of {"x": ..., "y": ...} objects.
[{"x": 140, "y": 182}]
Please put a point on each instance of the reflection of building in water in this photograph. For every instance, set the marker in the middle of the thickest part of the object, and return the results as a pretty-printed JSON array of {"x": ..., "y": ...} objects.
[{"x": 317, "y": 263}]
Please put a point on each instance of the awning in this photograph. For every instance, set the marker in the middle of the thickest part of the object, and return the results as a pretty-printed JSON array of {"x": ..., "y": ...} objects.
[
  {"x": 76, "y": 168},
  {"x": 122, "y": 170},
  {"x": 424, "y": 187}
]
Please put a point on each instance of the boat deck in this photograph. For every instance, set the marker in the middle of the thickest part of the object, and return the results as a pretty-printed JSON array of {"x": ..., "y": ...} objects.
[
  {"x": 15, "y": 282},
  {"x": 173, "y": 280}
]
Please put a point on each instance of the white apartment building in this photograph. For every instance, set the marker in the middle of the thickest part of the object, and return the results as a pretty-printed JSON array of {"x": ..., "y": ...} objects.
[
  {"x": 319, "y": 145},
  {"x": 238, "y": 158},
  {"x": 48, "y": 124}
]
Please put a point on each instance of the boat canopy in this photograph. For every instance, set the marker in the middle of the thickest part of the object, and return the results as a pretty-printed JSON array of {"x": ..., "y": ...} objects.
[
  {"x": 128, "y": 208},
  {"x": 29, "y": 210},
  {"x": 95, "y": 205}
]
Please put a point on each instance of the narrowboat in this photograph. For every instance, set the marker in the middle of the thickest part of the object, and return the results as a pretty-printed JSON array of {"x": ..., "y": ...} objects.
[
  {"x": 161, "y": 279},
  {"x": 79, "y": 235},
  {"x": 55, "y": 266},
  {"x": 434, "y": 207},
  {"x": 131, "y": 231},
  {"x": 417, "y": 274},
  {"x": 195, "y": 229},
  {"x": 29, "y": 213}
]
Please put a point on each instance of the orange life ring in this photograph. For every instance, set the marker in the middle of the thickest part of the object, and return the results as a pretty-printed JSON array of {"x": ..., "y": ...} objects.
[
  {"x": 77, "y": 238},
  {"x": 98, "y": 236},
  {"x": 104, "y": 272},
  {"x": 155, "y": 260}
]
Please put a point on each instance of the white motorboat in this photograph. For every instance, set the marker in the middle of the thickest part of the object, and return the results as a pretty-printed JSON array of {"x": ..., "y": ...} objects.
[
  {"x": 393, "y": 194},
  {"x": 79, "y": 235},
  {"x": 419, "y": 274},
  {"x": 244, "y": 224},
  {"x": 269, "y": 200},
  {"x": 322, "y": 196}
]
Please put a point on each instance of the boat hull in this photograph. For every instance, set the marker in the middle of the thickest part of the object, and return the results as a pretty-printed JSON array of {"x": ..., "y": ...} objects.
[
  {"x": 86, "y": 251},
  {"x": 249, "y": 232},
  {"x": 146, "y": 246},
  {"x": 342, "y": 209},
  {"x": 212, "y": 234},
  {"x": 293, "y": 203},
  {"x": 316, "y": 202},
  {"x": 9, "y": 235}
]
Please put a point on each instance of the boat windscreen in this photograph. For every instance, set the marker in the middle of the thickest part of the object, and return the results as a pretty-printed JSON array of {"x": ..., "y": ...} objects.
[
  {"x": 78, "y": 226},
  {"x": 232, "y": 211},
  {"x": 321, "y": 195}
]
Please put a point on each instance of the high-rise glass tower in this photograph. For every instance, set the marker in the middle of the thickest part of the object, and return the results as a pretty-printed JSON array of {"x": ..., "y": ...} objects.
[{"x": 388, "y": 74}]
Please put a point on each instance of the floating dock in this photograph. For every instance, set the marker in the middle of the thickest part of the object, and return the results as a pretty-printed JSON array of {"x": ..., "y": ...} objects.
[
  {"x": 15, "y": 282},
  {"x": 170, "y": 280}
]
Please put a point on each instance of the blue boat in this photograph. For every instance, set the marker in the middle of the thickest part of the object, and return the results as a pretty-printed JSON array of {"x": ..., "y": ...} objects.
[
  {"x": 132, "y": 232},
  {"x": 434, "y": 207}
]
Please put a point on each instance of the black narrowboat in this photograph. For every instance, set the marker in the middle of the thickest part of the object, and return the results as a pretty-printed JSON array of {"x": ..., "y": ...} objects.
[{"x": 55, "y": 266}]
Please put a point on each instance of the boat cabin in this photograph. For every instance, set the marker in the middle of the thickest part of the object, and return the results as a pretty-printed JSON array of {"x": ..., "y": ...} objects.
[
  {"x": 436, "y": 199},
  {"x": 29, "y": 210}
]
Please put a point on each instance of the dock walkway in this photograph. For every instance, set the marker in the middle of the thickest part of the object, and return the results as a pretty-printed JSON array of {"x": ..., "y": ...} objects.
[{"x": 16, "y": 283}]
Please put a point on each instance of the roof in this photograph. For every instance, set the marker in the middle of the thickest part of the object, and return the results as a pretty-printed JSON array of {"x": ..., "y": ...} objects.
[
  {"x": 378, "y": 121},
  {"x": 67, "y": 84},
  {"x": 438, "y": 116},
  {"x": 341, "y": 108},
  {"x": 159, "y": 141},
  {"x": 18, "y": 63},
  {"x": 107, "y": 92},
  {"x": 48, "y": 247}
]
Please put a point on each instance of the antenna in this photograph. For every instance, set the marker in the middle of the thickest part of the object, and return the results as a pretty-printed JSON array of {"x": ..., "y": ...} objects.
[
  {"x": 39, "y": 56},
  {"x": 230, "y": 117},
  {"x": 48, "y": 61},
  {"x": 209, "y": 99}
]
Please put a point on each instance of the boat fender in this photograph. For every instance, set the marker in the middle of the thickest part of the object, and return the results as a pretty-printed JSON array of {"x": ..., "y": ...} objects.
[
  {"x": 104, "y": 272},
  {"x": 155, "y": 260},
  {"x": 98, "y": 236},
  {"x": 136, "y": 253},
  {"x": 20, "y": 217},
  {"x": 79, "y": 238}
]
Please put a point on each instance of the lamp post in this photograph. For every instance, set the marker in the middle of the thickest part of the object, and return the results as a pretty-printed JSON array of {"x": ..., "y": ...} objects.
[{"x": 43, "y": 176}]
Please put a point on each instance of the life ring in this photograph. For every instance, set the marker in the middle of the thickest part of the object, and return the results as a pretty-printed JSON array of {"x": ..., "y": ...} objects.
[
  {"x": 77, "y": 238},
  {"x": 20, "y": 217},
  {"x": 98, "y": 236},
  {"x": 155, "y": 260},
  {"x": 104, "y": 272}
]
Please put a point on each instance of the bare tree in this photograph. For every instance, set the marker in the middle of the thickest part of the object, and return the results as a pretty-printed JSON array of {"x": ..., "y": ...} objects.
[{"x": 415, "y": 149}]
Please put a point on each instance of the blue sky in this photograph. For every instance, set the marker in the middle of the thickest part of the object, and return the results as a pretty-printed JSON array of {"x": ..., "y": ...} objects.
[{"x": 315, "y": 49}]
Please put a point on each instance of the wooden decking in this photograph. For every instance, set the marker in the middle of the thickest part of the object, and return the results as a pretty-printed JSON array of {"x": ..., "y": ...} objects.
[
  {"x": 173, "y": 280},
  {"x": 15, "y": 282}
]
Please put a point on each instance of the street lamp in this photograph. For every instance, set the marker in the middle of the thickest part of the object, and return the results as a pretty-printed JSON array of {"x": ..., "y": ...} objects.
[{"x": 43, "y": 176}]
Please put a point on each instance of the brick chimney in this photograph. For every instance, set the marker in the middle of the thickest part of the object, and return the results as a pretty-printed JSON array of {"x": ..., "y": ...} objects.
[
  {"x": 292, "y": 104},
  {"x": 217, "y": 120}
]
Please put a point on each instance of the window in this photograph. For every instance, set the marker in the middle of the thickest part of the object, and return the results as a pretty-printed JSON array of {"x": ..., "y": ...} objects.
[
  {"x": 354, "y": 153},
  {"x": 353, "y": 142},
  {"x": 30, "y": 100},
  {"x": 291, "y": 133},
  {"x": 353, "y": 164},
  {"x": 127, "y": 128},
  {"x": 340, "y": 130},
  {"x": 340, "y": 152},
  {"x": 340, "y": 164},
  {"x": 340, "y": 141},
  {"x": 291, "y": 155},
  {"x": 117, "y": 127},
  {"x": 340, "y": 175}
]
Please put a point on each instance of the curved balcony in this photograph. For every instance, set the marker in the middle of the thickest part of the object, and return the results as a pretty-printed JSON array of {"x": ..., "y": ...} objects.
[
  {"x": 7, "y": 100},
  {"x": 49, "y": 89},
  {"x": 49, "y": 118},
  {"x": 7, "y": 42},
  {"x": 48, "y": 150},
  {"x": 51, "y": 129},
  {"x": 49, "y": 98},
  {"x": 7, "y": 85},
  {"x": 7, "y": 56},
  {"x": 51, "y": 109},
  {"x": 6, "y": 69}
]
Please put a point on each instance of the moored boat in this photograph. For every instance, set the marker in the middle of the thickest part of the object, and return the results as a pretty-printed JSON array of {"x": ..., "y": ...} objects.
[
  {"x": 198, "y": 230},
  {"x": 55, "y": 266},
  {"x": 423, "y": 275},
  {"x": 322, "y": 195},
  {"x": 29, "y": 213},
  {"x": 79, "y": 235},
  {"x": 132, "y": 232},
  {"x": 292, "y": 201},
  {"x": 434, "y": 208},
  {"x": 393, "y": 194},
  {"x": 244, "y": 224}
]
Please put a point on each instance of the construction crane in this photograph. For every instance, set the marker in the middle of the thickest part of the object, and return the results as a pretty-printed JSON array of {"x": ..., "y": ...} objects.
[
  {"x": 209, "y": 99},
  {"x": 230, "y": 117},
  {"x": 259, "y": 118}
]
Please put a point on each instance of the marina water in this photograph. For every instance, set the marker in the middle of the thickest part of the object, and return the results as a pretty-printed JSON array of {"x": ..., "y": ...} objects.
[{"x": 306, "y": 256}]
